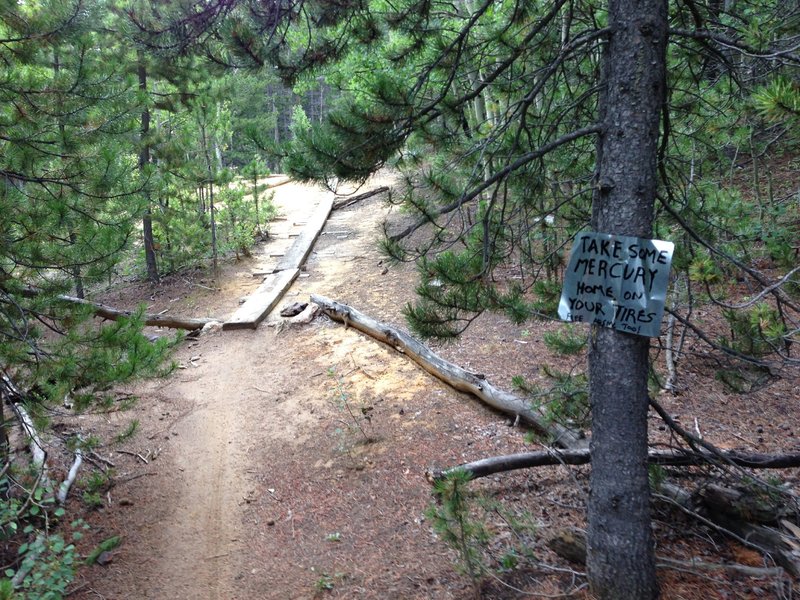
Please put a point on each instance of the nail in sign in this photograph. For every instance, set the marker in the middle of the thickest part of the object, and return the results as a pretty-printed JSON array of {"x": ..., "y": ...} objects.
[{"x": 617, "y": 281}]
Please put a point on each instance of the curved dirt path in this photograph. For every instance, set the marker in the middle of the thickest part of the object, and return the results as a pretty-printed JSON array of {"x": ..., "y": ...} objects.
[
  {"x": 263, "y": 485},
  {"x": 255, "y": 482}
]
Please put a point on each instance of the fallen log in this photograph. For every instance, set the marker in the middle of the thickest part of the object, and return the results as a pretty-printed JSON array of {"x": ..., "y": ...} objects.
[
  {"x": 345, "y": 201},
  {"x": 526, "y": 460},
  {"x": 112, "y": 314},
  {"x": 460, "y": 379},
  {"x": 271, "y": 186},
  {"x": 570, "y": 544},
  {"x": 14, "y": 397}
]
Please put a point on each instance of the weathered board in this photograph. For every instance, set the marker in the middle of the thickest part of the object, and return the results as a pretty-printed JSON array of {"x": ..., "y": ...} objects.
[
  {"x": 269, "y": 293},
  {"x": 262, "y": 301},
  {"x": 301, "y": 248}
]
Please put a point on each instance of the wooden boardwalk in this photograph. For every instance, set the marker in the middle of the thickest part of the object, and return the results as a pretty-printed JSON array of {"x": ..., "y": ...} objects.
[{"x": 263, "y": 300}]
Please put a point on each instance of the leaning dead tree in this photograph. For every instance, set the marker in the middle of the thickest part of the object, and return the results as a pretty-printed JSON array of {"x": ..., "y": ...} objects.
[
  {"x": 460, "y": 379},
  {"x": 674, "y": 458}
]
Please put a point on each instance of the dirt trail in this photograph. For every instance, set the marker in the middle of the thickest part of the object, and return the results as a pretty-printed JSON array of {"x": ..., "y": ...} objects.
[
  {"x": 282, "y": 464},
  {"x": 247, "y": 420}
]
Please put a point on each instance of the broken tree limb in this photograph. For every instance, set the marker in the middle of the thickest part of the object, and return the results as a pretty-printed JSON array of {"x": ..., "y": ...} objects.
[
  {"x": 12, "y": 394},
  {"x": 571, "y": 544},
  {"x": 526, "y": 460},
  {"x": 65, "y": 486},
  {"x": 345, "y": 201},
  {"x": 112, "y": 314},
  {"x": 455, "y": 376},
  {"x": 278, "y": 183}
]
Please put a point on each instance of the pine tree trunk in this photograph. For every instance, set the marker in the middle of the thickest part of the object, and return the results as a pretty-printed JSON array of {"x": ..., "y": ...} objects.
[
  {"x": 621, "y": 560},
  {"x": 144, "y": 160},
  {"x": 214, "y": 256},
  {"x": 73, "y": 237},
  {"x": 255, "y": 198}
]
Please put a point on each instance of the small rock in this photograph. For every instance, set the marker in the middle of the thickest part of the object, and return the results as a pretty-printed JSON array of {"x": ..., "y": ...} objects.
[
  {"x": 104, "y": 559},
  {"x": 293, "y": 309},
  {"x": 125, "y": 502}
]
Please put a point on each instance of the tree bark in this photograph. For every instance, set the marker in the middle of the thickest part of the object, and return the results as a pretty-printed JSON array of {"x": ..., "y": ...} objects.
[
  {"x": 459, "y": 378},
  {"x": 621, "y": 557}
]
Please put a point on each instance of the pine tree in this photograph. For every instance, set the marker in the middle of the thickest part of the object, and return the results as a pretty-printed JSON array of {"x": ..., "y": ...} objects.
[
  {"x": 68, "y": 198},
  {"x": 501, "y": 115}
]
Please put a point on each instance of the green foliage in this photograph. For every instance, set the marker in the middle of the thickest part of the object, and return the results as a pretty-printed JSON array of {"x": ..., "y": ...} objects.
[
  {"x": 473, "y": 525},
  {"x": 757, "y": 331},
  {"x": 106, "y": 545},
  {"x": 547, "y": 295},
  {"x": 356, "y": 419},
  {"x": 567, "y": 340},
  {"x": 128, "y": 433},
  {"x": 777, "y": 100},
  {"x": 94, "y": 486},
  {"x": 46, "y": 560},
  {"x": 704, "y": 270},
  {"x": 50, "y": 563},
  {"x": 325, "y": 583},
  {"x": 565, "y": 401},
  {"x": 452, "y": 522},
  {"x": 657, "y": 475}
]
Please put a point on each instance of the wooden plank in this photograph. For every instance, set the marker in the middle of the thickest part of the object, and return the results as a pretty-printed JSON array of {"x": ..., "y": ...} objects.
[
  {"x": 269, "y": 293},
  {"x": 262, "y": 301},
  {"x": 301, "y": 248}
]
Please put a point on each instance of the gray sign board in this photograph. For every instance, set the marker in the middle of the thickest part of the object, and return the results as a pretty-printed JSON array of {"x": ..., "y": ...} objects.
[{"x": 617, "y": 281}]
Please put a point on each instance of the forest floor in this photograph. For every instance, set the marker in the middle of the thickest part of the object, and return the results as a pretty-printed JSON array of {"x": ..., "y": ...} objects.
[{"x": 254, "y": 481}]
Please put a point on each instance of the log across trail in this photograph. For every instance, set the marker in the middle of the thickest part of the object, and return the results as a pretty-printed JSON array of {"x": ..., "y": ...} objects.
[
  {"x": 113, "y": 314},
  {"x": 457, "y": 377}
]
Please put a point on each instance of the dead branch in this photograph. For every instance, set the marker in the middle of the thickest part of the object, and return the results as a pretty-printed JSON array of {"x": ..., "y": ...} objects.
[
  {"x": 455, "y": 376},
  {"x": 27, "y": 565},
  {"x": 112, "y": 314},
  {"x": 64, "y": 488},
  {"x": 278, "y": 183},
  {"x": 14, "y": 397},
  {"x": 345, "y": 201},
  {"x": 571, "y": 545},
  {"x": 526, "y": 460}
]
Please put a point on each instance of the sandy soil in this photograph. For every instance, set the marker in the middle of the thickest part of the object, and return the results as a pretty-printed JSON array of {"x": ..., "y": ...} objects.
[{"x": 254, "y": 481}]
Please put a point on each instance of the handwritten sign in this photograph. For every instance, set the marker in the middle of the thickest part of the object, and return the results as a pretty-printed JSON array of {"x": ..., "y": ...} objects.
[{"x": 617, "y": 281}]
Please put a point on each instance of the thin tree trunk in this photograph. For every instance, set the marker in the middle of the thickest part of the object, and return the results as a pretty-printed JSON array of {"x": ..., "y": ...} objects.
[
  {"x": 621, "y": 557},
  {"x": 73, "y": 237},
  {"x": 255, "y": 197},
  {"x": 144, "y": 160},
  {"x": 214, "y": 254}
]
